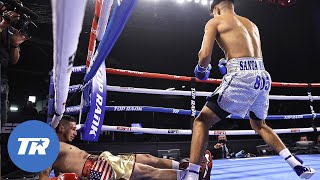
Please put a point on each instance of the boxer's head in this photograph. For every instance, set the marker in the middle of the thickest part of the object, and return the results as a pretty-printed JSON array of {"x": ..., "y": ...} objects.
[
  {"x": 66, "y": 129},
  {"x": 215, "y": 4}
]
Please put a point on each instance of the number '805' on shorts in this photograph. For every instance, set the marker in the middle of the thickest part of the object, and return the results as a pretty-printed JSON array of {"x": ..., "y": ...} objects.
[{"x": 244, "y": 90}]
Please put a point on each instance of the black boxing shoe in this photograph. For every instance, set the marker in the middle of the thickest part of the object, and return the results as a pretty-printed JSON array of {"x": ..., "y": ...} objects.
[{"x": 304, "y": 172}]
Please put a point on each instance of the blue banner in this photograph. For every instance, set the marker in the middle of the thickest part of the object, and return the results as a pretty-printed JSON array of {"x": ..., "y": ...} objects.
[{"x": 95, "y": 116}]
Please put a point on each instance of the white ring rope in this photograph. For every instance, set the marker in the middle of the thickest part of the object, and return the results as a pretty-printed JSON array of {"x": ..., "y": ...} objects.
[
  {"x": 198, "y": 93},
  {"x": 189, "y": 132}
]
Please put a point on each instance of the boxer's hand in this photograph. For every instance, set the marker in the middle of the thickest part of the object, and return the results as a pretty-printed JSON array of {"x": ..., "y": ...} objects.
[
  {"x": 202, "y": 73},
  {"x": 222, "y": 66}
]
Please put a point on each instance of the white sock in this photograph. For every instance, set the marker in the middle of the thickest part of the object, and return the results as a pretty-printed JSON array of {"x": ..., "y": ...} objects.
[
  {"x": 285, "y": 153},
  {"x": 193, "y": 171},
  {"x": 290, "y": 159},
  {"x": 175, "y": 164},
  {"x": 194, "y": 167}
]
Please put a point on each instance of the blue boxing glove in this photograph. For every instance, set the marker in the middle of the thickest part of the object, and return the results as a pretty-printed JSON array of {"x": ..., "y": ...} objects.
[
  {"x": 202, "y": 73},
  {"x": 222, "y": 66}
]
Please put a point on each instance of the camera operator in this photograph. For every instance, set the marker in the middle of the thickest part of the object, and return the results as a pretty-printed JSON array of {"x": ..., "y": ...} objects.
[
  {"x": 10, "y": 40},
  {"x": 220, "y": 149}
]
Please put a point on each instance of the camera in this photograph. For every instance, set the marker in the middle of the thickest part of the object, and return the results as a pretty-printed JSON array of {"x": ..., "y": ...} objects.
[
  {"x": 222, "y": 141},
  {"x": 24, "y": 24}
]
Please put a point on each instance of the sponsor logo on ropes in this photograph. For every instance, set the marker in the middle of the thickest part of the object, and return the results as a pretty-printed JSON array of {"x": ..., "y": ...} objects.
[
  {"x": 293, "y": 117},
  {"x": 8, "y": 127},
  {"x": 89, "y": 56},
  {"x": 72, "y": 109},
  {"x": 128, "y": 108},
  {"x": 33, "y": 146},
  {"x": 74, "y": 88},
  {"x": 219, "y": 132},
  {"x": 94, "y": 31},
  {"x": 99, "y": 102},
  {"x": 173, "y": 131},
  {"x": 133, "y": 72},
  {"x": 124, "y": 128},
  {"x": 78, "y": 69},
  {"x": 193, "y": 102},
  {"x": 295, "y": 130},
  {"x": 176, "y": 77},
  {"x": 126, "y": 87},
  {"x": 175, "y": 111}
]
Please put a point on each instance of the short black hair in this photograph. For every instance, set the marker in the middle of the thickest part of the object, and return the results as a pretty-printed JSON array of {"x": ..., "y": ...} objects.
[
  {"x": 221, "y": 135},
  {"x": 65, "y": 120},
  {"x": 303, "y": 135},
  {"x": 216, "y": 2},
  {"x": 69, "y": 118}
]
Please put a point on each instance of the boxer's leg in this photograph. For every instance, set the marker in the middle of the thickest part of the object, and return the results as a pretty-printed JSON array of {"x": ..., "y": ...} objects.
[
  {"x": 162, "y": 163},
  {"x": 142, "y": 171}
]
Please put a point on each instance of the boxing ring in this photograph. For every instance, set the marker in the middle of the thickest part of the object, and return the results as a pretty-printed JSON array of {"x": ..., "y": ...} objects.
[
  {"x": 268, "y": 167},
  {"x": 76, "y": 109},
  {"x": 93, "y": 103},
  {"x": 247, "y": 168}
]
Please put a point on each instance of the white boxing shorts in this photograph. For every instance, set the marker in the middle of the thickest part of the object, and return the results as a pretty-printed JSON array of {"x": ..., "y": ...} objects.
[{"x": 244, "y": 90}]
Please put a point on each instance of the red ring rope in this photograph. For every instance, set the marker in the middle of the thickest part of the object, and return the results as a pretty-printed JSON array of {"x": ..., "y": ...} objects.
[{"x": 185, "y": 78}]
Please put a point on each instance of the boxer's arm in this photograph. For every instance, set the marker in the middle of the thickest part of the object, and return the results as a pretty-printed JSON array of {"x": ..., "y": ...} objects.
[
  {"x": 209, "y": 37},
  {"x": 45, "y": 174}
]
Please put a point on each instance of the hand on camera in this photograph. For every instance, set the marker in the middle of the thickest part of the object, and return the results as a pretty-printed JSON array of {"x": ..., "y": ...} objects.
[
  {"x": 11, "y": 16},
  {"x": 218, "y": 145},
  {"x": 18, "y": 38}
]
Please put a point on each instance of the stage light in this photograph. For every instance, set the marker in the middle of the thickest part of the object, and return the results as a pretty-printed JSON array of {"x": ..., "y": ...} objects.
[
  {"x": 204, "y": 2},
  {"x": 14, "y": 108},
  {"x": 32, "y": 99}
]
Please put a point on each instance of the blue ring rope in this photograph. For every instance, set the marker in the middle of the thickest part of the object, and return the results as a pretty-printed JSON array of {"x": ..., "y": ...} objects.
[{"x": 75, "y": 110}]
